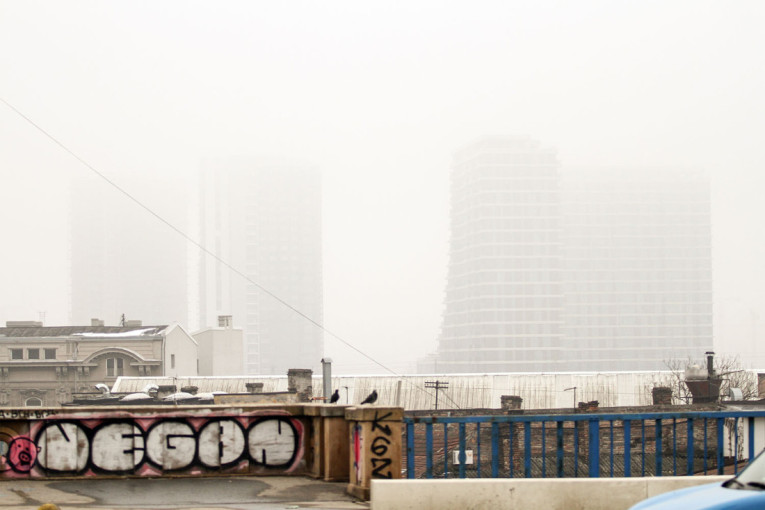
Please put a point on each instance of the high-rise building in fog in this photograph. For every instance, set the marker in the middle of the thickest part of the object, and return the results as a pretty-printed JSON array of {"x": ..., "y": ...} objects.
[
  {"x": 503, "y": 299},
  {"x": 637, "y": 268},
  {"x": 560, "y": 271},
  {"x": 124, "y": 261},
  {"x": 264, "y": 220}
]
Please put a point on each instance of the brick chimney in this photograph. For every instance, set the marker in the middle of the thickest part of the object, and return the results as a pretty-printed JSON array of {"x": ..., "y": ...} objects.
[
  {"x": 587, "y": 407},
  {"x": 662, "y": 396},
  {"x": 300, "y": 381},
  {"x": 166, "y": 389},
  {"x": 254, "y": 387},
  {"x": 760, "y": 385},
  {"x": 510, "y": 402}
]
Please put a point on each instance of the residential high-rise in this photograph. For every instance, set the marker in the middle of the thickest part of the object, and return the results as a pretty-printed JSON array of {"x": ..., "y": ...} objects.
[
  {"x": 637, "y": 267},
  {"x": 124, "y": 261},
  {"x": 573, "y": 270},
  {"x": 264, "y": 220},
  {"x": 504, "y": 293}
]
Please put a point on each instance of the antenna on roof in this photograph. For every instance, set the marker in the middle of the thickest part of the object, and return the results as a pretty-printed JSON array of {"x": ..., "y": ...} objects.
[{"x": 123, "y": 321}]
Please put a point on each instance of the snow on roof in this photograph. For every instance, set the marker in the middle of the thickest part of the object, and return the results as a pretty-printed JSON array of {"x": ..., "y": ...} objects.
[
  {"x": 121, "y": 334},
  {"x": 233, "y": 384},
  {"x": 83, "y": 331}
]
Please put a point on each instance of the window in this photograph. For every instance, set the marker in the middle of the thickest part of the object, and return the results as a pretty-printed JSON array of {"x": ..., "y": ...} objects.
[
  {"x": 114, "y": 367},
  {"x": 33, "y": 402},
  {"x": 50, "y": 353},
  {"x": 33, "y": 353},
  {"x": 17, "y": 353},
  {"x": 172, "y": 361}
]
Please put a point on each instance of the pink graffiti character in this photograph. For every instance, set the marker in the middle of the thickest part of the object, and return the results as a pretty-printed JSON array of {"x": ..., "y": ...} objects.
[{"x": 22, "y": 454}]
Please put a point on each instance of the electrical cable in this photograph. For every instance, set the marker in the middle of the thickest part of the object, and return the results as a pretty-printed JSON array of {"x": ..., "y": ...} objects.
[{"x": 198, "y": 245}]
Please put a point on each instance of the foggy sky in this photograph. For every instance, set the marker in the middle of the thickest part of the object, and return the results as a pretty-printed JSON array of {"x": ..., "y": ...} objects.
[{"x": 378, "y": 97}]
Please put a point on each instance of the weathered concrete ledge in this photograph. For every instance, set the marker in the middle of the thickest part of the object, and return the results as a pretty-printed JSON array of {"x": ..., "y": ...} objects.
[
  {"x": 550, "y": 494},
  {"x": 375, "y": 448}
]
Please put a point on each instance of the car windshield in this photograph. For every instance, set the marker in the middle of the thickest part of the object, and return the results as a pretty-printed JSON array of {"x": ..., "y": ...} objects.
[{"x": 753, "y": 476}]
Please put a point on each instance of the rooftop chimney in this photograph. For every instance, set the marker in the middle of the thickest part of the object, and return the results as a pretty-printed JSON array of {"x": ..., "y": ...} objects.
[
  {"x": 299, "y": 380},
  {"x": 510, "y": 402},
  {"x": 704, "y": 389},
  {"x": 96, "y": 322},
  {"x": 254, "y": 387}
]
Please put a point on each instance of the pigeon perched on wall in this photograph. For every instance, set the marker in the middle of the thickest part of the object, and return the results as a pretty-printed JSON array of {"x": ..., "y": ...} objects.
[
  {"x": 335, "y": 397},
  {"x": 371, "y": 399}
]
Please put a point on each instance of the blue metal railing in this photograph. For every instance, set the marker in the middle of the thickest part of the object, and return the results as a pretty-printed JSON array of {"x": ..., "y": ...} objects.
[{"x": 589, "y": 445}]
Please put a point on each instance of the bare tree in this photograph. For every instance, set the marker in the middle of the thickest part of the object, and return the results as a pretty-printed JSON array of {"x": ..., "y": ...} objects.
[
  {"x": 733, "y": 376},
  {"x": 728, "y": 368}
]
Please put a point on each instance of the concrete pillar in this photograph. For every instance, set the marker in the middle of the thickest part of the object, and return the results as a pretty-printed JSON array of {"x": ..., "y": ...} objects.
[
  {"x": 299, "y": 380},
  {"x": 329, "y": 443},
  {"x": 662, "y": 396},
  {"x": 375, "y": 446},
  {"x": 510, "y": 402}
]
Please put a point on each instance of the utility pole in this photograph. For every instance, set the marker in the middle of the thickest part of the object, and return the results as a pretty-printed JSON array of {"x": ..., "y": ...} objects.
[{"x": 438, "y": 385}]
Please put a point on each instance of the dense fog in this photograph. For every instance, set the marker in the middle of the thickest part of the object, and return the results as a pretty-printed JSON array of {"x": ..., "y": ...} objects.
[{"x": 138, "y": 98}]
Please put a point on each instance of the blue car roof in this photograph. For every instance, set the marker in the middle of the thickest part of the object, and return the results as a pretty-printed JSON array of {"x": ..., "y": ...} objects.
[{"x": 705, "y": 497}]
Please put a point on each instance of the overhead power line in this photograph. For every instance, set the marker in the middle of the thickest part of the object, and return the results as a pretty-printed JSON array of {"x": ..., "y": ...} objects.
[{"x": 200, "y": 246}]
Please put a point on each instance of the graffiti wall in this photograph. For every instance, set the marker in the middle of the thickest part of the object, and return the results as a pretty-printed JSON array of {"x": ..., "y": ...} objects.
[{"x": 47, "y": 444}]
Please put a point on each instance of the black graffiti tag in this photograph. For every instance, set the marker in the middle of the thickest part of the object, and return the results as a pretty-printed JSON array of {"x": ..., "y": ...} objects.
[
  {"x": 380, "y": 448},
  {"x": 377, "y": 469},
  {"x": 380, "y": 445},
  {"x": 376, "y": 423}
]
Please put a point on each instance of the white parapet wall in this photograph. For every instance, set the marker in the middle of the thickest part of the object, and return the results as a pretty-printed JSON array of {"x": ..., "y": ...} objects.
[{"x": 542, "y": 493}]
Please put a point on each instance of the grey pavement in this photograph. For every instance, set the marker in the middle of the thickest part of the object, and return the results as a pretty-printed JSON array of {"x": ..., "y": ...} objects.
[{"x": 211, "y": 493}]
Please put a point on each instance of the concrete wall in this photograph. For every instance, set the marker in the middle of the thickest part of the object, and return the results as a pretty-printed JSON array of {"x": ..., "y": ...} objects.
[
  {"x": 330, "y": 442},
  {"x": 221, "y": 351},
  {"x": 153, "y": 441},
  {"x": 550, "y": 494},
  {"x": 180, "y": 344},
  {"x": 280, "y": 397}
]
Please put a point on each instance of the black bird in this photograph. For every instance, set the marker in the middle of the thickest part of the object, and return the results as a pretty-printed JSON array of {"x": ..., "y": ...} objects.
[
  {"x": 371, "y": 399},
  {"x": 335, "y": 397}
]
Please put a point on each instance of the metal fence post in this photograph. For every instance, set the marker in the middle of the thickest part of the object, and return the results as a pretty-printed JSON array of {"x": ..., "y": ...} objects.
[{"x": 594, "y": 448}]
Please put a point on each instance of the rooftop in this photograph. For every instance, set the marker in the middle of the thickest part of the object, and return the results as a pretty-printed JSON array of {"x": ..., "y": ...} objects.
[{"x": 82, "y": 331}]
